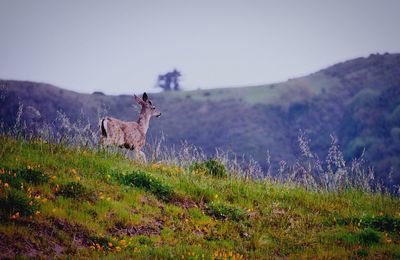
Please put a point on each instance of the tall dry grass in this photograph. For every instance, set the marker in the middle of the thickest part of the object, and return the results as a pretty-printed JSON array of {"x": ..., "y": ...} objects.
[{"x": 331, "y": 174}]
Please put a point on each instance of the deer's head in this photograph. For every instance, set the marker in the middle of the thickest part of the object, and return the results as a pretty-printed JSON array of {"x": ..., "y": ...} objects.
[{"x": 147, "y": 107}]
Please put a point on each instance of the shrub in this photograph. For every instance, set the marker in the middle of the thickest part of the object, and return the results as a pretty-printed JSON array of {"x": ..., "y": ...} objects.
[
  {"x": 13, "y": 201},
  {"x": 366, "y": 237},
  {"x": 380, "y": 223},
  {"x": 394, "y": 117},
  {"x": 73, "y": 190},
  {"x": 33, "y": 176},
  {"x": 222, "y": 211},
  {"x": 144, "y": 240},
  {"x": 211, "y": 167},
  {"x": 395, "y": 133},
  {"x": 365, "y": 98},
  {"x": 14, "y": 176},
  {"x": 149, "y": 183},
  {"x": 362, "y": 253},
  {"x": 101, "y": 241}
]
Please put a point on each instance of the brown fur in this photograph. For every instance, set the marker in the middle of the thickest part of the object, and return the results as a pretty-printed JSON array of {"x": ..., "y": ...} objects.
[{"x": 129, "y": 135}]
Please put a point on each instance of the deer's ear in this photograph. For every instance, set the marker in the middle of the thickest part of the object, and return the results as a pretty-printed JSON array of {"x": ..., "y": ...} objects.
[
  {"x": 139, "y": 100},
  {"x": 145, "y": 97}
]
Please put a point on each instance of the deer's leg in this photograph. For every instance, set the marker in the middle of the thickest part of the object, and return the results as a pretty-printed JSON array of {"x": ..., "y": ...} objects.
[
  {"x": 143, "y": 157},
  {"x": 140, "y": 156},
  {"x": 103, "y": 141}
]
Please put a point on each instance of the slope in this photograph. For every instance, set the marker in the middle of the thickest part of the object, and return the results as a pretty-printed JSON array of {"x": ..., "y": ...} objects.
[
  {"x": 77, "y": 202},
  {"x": 357, "y": 100}
]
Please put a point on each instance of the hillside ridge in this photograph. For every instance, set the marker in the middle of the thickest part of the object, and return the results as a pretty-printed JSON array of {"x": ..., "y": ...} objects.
[{"x": 357, "y": 101}]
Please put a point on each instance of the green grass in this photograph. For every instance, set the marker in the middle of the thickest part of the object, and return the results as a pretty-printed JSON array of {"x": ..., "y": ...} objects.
[
  {"x": 91, "y": 204},
  {"x": 273, "y": 94}
]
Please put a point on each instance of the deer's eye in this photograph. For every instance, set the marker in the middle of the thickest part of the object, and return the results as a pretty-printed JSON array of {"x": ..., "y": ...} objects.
[{"x": 153, "y": 107}]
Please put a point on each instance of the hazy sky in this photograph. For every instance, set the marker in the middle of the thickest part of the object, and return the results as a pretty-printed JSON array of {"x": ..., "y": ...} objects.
[{"x": 121, "y": 46}]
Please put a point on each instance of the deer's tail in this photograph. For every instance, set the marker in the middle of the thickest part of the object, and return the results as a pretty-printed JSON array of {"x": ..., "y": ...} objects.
[{"x": 103, "y": 127}]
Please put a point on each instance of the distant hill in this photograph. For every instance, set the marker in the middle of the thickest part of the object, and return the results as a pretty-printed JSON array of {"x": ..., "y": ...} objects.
[{"x": 357, "y": 100}]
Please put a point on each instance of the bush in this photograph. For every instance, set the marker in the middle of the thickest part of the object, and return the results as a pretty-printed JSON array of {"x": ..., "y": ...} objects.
[
  {"x": 33, "y": 176},
  {"x": 222, "y": 211},
  {"x": 394, "y": 117},
  {"x": 395, "y": 133},
  {"x": 144, "y": 240},
  {"x": 366, "y": 237},
  {"x": 365, "y": 98},
  {"x": 149, "y": 183},
  {"x": 15, "y": 176},
  {"x": 380, "y": 223},
  {"x": 101, "y": 241},
  {"x": 13, "y": 201},
  {"x": 73, "y": 190},
  {"x": 210, "y": 167}
]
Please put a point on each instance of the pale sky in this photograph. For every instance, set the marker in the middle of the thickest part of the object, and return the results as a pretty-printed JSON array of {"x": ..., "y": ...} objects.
[{"x": 119, "y": 47}]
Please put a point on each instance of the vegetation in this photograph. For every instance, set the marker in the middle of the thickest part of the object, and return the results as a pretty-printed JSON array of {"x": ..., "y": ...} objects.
[
  {"x": 211, "y": 167},
  {"x": 147, "y": 182},
  {"x": 74, "y": 201},
  {"x": 357, "y": 101}
]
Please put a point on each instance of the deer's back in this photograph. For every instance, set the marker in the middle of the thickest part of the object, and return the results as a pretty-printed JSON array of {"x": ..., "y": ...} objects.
[{"x": 126, "y": 134}]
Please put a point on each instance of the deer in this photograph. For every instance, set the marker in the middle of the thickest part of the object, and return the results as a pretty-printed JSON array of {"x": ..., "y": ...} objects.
[{"x": 129, "y": 135}]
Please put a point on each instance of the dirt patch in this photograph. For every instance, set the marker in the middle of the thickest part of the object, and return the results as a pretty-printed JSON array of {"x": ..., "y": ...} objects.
[
  {"x": 51, "y": 237},
  {"x": 121, "y": 229},
  {"x": 152, "y": 202},
  {"x": 179, "y": 201},
  {"x": 16, "y": 245},
  {"x": 185, "y": 203}
]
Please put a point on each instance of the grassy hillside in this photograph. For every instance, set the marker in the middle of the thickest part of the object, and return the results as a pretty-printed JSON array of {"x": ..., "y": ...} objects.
[
  {"x": 357, "y": 100},
  {"x": 64, "y": 201},
  {"x": 271, "y": 94}
]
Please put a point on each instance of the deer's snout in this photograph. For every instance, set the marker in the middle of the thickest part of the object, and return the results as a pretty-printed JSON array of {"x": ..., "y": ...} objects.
[{"x": 159, "y": 114}]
